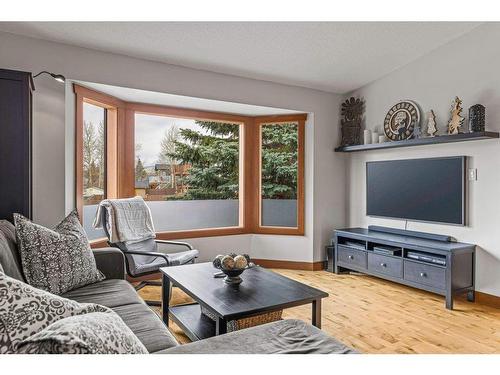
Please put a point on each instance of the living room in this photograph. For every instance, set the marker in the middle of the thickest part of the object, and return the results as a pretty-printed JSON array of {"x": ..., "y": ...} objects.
[{"x": 249, "y": 187}]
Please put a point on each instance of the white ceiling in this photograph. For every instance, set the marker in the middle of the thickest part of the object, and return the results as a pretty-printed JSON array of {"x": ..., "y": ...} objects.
[
  {"x": 331, "y": 56},
  {"x": 179, "y": 101}
]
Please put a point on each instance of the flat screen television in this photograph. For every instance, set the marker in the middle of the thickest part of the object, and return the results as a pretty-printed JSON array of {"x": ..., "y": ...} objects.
[{"x": 431, "y": 190}]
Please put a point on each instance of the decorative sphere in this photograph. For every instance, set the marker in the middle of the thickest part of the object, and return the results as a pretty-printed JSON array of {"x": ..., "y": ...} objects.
[
  {"x": 227, "y": 262},
  {"x": 240, "y": 262},
  {"x": 217, "y": 261}
]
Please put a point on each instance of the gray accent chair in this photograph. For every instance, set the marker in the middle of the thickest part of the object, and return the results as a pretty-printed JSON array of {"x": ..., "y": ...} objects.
[{"x": 145, "y": 258}]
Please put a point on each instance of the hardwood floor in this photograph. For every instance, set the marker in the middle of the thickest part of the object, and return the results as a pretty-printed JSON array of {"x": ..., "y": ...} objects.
[{"x": 377, "y": 316}]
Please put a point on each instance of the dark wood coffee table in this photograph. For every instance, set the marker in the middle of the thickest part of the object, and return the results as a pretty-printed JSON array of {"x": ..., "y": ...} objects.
[{"x": 261, "y": 291}]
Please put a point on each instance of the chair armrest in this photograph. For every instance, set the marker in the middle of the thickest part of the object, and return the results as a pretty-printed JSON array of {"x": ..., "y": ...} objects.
[
  {"x": 178, "y": 243},
  {"x": 152, "y": 253},
  {"x": 111, "y": 262}
]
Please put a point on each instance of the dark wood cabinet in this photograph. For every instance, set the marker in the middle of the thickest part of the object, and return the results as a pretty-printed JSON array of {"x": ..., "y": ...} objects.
[{"x": 15, "y": 143}]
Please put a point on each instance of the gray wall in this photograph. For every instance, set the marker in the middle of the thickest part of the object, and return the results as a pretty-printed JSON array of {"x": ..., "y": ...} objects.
[
  {"x": 467, "y": 67},
  {"x": 53, "y": 141}
]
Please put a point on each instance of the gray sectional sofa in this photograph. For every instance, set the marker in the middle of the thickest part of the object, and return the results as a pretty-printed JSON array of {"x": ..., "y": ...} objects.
[{"x": 287, "y": 336}]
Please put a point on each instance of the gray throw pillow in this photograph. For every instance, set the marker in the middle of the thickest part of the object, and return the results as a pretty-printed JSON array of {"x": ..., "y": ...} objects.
[
  {"x": 95, "y": 333},
  {"x": 25, "y": 310},
  {"x": 56, "y": 260}
]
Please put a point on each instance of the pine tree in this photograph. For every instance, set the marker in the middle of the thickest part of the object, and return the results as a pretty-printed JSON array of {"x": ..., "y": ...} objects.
[
  {"x": 279, "y": 161},
  {"x": 213, "y": 156}
]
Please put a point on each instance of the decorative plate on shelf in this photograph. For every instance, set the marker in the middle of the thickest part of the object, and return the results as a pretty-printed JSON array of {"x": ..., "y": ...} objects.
[{"x": 401, "y": 121}]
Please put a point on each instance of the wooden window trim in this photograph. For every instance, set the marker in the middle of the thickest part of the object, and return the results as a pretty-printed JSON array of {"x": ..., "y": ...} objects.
[
  {"x": 257, "y": 181},
  {"x": 149, "y": 109},
  {"x": 113, "y": 107},
  {"x": 121, "y": 153}
]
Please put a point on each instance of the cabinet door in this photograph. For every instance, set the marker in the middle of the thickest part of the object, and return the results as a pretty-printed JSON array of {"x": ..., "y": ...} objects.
[{"x": 15, "y": 144}]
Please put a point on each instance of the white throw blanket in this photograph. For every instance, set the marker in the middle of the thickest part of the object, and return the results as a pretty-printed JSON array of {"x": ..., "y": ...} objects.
[{"x": 127, "y": 220}]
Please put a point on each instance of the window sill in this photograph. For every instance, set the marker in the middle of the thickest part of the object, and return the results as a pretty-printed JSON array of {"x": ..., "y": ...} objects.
[{"x": 216, "y": 232}]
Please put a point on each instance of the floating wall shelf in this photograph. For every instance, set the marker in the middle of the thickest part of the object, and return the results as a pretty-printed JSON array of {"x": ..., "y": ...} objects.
[{"x": 421, "y": 141}]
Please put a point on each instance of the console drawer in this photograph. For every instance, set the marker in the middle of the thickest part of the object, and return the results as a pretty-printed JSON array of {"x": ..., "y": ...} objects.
[
  {"x": 385, "y": 265},
  {"x": 425, "y": 274},
  {"x": 351, "y": 256}
]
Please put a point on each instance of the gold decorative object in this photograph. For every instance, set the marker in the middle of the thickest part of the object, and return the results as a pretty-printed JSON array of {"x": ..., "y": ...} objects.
[
  {"x": 227, "y": 262},
  {"x": 401, "y": 120},
  {"x": 431, "y": 124},
  {"x": 232, "y": 266},
  {"x": 240, "y": 262},
  {"x": 456, "y": 121}
]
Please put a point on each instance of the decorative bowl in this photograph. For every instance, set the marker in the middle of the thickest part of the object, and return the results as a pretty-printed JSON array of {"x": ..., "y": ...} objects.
[{"x": 232, "y": 274}]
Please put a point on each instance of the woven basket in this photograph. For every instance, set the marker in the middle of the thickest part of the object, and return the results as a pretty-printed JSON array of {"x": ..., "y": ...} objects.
[{"x": 252, "y": 321}]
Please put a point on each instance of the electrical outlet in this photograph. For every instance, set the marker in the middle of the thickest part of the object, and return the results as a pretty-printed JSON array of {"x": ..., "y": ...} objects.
[{"x": 472, "y": 174}]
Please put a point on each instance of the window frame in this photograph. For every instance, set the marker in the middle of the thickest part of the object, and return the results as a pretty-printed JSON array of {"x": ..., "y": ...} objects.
[
  {"x": 120, "y": 160},
  {"x": 113, "y": 108},
  {"x": 156, "y": 110},
  {"x": 259, "y": 122}
]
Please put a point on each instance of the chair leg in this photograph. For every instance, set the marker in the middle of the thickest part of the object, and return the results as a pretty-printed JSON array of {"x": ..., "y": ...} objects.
[
  {"x": 153, "y": 283},
  {"x": 143, "y": 284}
]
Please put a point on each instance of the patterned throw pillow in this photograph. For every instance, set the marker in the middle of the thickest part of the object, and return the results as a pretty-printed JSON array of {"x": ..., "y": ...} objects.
[
  {"x": 56, "y": 260},
  {"x": 95, "y": 333},
  {"x": 25, "y": 310}
]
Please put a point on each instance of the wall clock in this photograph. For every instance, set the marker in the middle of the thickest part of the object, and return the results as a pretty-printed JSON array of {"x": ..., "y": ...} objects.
[{"x": 401, "y": 120}]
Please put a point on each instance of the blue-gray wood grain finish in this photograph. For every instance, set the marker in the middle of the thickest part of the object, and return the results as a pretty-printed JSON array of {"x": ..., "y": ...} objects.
[
  {"x": 261, "y": 291},
  {"x": 457, "y": 276}
]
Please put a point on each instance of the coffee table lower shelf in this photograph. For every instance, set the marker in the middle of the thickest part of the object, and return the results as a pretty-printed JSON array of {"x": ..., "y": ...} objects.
[{"x": 193, "y": 323}]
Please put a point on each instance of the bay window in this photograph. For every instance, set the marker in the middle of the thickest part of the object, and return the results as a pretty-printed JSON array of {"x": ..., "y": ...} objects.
[{"x": 201, "y": 173}]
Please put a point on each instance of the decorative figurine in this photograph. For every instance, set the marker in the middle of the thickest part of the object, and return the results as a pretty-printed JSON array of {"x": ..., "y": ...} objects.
[
  {"x": 456, "y": 121},
  {"x": 431, "y": 124},
  {"x": 401, "y": 120},
  {"x": 417, "y": 132},
  {"x": 352, "y": 110},
  {"x": 477, "y": 118},
  {"x": 367, "y": 136}
]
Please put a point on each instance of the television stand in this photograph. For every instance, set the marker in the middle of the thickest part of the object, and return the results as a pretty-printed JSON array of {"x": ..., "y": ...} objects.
[{"x": 420, "y": 260}]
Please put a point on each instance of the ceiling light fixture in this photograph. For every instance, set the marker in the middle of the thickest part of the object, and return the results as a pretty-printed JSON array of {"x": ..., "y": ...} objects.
[{"x": 58, "y": 77}]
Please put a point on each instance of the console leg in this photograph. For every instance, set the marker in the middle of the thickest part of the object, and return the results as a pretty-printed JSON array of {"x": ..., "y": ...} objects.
[
  {"x": 449, "y": 301},
  {"x": 471, "y": 296}
]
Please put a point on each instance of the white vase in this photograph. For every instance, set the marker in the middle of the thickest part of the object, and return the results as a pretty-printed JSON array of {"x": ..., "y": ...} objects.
[
  {"x": 381, "y": 138},
  {"x": 367, "y": 136},
  {"x": 375, "y": 137}
]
